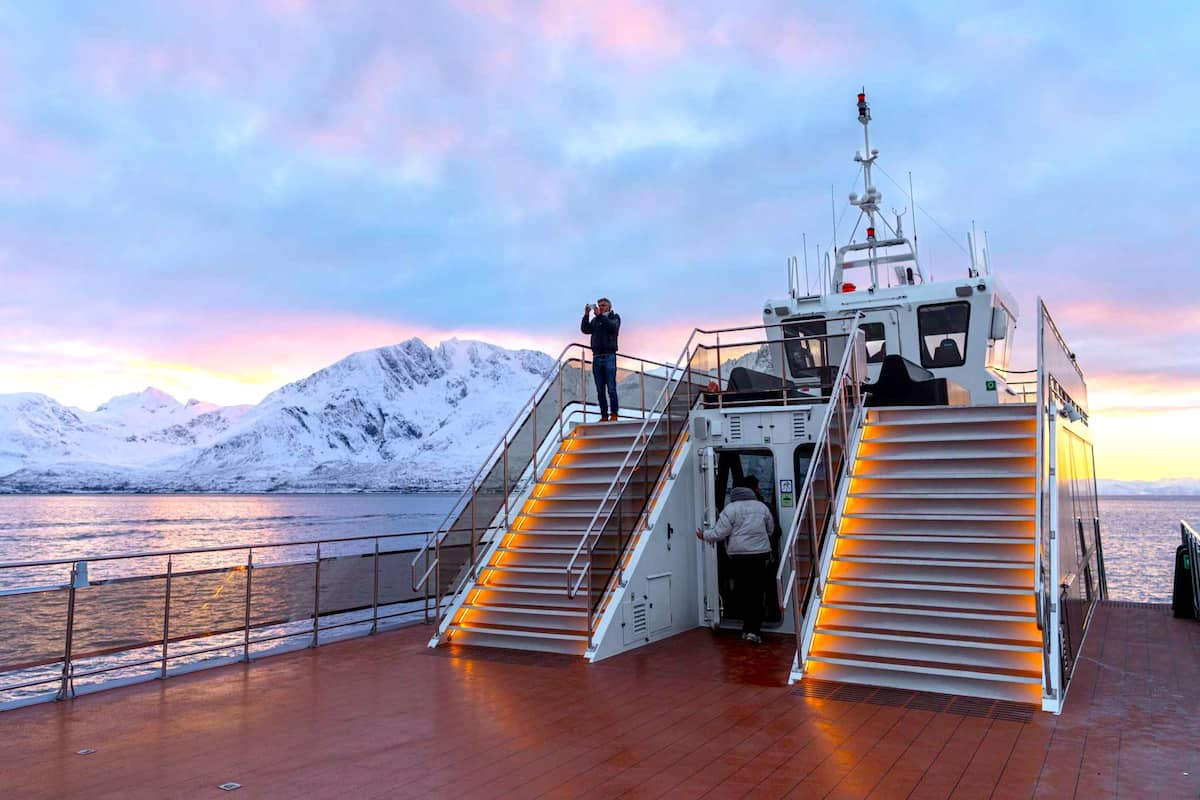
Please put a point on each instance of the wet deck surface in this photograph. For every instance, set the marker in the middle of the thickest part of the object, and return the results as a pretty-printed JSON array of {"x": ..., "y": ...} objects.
[{"x": 695, "y": 716}]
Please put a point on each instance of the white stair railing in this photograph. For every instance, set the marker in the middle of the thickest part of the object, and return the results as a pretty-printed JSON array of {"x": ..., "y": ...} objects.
[{"x": 798, "y": 579}]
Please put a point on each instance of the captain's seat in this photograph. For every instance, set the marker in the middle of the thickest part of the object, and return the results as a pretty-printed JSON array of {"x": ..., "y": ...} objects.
[{"x": 946, "y": 354}]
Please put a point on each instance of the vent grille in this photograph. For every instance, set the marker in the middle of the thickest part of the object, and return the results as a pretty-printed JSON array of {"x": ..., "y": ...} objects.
[
  {"x": 735, "y": 428},
  {"x": 799, "y": 426},
  {"x": 639, "y": 619}
]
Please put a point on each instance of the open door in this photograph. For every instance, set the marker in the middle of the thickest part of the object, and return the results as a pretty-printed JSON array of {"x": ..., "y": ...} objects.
[
  {"x": 708, "y": 555},
  {"x": 732, "y": 468}
]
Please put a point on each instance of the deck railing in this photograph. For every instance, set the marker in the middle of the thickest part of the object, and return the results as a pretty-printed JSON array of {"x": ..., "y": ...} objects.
[
  {"x": 1191, "y": 540},
  {"x": 141, "y": 615},
  {"x": 1069, "y": 575}
]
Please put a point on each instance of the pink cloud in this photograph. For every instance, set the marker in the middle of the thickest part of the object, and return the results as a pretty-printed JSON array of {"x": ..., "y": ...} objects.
[{"x": 619, "y": 28}]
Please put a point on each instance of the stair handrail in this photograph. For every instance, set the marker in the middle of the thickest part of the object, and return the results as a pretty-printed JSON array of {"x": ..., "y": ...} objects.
[
  {"x": 678, "y": 367},
  {"x": 682, "y": 364},
  {"x": 851, "y": 370},
  {"x": 439, "y": 533}
]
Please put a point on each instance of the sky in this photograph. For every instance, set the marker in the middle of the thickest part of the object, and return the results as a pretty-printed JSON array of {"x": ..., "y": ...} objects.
[{"x": 218, "y": 196}]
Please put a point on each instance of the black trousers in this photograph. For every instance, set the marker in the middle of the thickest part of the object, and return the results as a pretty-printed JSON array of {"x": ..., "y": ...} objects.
[{"x": 749, "y": 587}]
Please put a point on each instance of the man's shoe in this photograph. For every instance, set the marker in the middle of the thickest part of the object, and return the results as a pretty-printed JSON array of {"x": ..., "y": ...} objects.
[{"x": 753, "y": 638}]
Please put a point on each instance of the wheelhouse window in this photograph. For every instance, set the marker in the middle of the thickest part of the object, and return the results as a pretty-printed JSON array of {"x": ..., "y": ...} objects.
[
  {"x": 806, "y": 352},
  {"x": 876, "y": 343},
  {"x": 943, "y": 332}
]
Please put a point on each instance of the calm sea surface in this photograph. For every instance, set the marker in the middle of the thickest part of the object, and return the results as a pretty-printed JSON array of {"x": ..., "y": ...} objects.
[{"x": 1140, "y": 533}]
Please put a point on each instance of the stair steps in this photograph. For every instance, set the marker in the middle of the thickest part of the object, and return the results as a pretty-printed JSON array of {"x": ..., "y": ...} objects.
[
  {"x": 930, "y": 586},
  {"x": 519, "y": 599}
]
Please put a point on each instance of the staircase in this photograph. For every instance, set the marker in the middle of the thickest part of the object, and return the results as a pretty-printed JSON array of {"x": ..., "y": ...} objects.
[
  {"x": 931, "y": 581},
  {"x": 520, "y": 598}
]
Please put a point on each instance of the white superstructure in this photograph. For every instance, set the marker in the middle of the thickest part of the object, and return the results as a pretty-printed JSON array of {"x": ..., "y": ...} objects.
[{"x": 918, "y": 491}]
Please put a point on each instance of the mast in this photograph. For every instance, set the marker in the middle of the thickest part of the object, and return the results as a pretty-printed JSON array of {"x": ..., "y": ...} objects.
[
  {"x": 869, "y": 202},
  {"x": 877, "y": 252}
]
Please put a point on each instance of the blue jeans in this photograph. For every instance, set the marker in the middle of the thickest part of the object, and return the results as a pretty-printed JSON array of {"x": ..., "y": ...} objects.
[{"x": 604, "y": 370}]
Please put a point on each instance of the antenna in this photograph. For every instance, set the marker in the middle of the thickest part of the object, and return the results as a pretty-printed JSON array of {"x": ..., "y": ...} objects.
[
  {"x": 804, "y": 236},
  {"x": 833, "y": 212},
  {"x": 913, "y": 200},
  {"x": 973, "y": 272},
  {"x": 987, "y": 253}
]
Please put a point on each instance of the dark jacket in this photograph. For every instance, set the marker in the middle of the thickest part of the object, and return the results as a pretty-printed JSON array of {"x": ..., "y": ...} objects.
[{"x": 604, "y": 329}]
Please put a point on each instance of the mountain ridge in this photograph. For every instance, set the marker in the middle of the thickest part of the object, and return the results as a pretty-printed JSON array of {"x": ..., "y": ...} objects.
[{"x": 401, "y": 417}]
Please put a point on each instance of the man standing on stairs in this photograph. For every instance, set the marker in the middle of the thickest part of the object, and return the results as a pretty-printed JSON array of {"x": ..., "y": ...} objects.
[
  {"x": 747, "y": 523},
  {"x": 603, "y": 327}
]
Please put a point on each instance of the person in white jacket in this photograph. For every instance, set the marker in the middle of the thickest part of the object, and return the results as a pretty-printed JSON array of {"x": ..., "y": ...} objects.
[{"x": 746, "y": 523}]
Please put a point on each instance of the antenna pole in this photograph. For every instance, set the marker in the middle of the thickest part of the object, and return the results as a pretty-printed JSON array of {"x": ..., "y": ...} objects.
[
  {"x": 913, "y": 200},
  {"x": 804, "y": 236},
  {"x": 987, "y": 254},
  {"x": 833, "y": 213}
]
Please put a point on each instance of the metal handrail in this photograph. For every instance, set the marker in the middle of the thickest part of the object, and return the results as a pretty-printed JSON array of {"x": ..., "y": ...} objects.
[
  {"x": 573, "y": 590},
  {"x": 194, "y": 550},
  {"x": 522, "y": 414},
  {"x": 681, "y": 365},
  {"x": 847, "y": 371},
  {"x": 79, "y": 580},
  {"x": 1192, "y": 539}
]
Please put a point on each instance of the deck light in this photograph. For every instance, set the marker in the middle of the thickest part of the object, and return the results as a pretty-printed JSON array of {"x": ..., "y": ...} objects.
[{"x": 848, "y": 287}]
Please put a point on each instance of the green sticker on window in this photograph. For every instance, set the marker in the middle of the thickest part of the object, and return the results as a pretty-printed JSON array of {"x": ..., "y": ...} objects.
[{"x": 991, "y": 386}]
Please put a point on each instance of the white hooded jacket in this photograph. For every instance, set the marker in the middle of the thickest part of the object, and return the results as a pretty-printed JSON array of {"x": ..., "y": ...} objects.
[{"x": 746, "y": 522}]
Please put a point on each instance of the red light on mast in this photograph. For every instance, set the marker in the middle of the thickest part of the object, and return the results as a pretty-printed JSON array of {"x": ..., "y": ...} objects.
[
  {"x": 848, "y": 287},
  {"x": 861, "y": 97},
  {"x": 870, "y": 233}
]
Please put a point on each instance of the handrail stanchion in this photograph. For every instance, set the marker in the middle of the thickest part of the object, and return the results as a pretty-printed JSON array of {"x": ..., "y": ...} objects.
[
  {"x": 317, "y": 600},
  {"x": 582, "y": 386},
  {"x": 504, "y": 468},
  {"x": 375, "y": 592},
  {"x": 720, "y": 382},
  {"x": 249, "y": 594},
  {"x": 166, "y": 634},
  {"x": 642, "y": 385},
  {"x": 67, "y": 687}
]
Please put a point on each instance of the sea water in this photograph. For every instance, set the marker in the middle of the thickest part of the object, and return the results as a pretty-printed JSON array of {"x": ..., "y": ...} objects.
[{"x": 1139, "y": 533}]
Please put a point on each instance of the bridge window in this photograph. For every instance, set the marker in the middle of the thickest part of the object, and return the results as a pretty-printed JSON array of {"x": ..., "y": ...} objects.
[
  {"x": 806, "y": 354},
  {"x": 876, "y": 343},
  {"x": 943, "y": 332}
]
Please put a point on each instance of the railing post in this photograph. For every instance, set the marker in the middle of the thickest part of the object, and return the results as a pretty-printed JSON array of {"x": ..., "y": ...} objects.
[
  {"x": 643, "y": 387},
  {"x": 474, "y": 523},
  {"x": 720, "y": 388},
  {"x": 317, "y": 600},
  {"x": 249, "y": 595},
  {"x": 375, "y": 593},
  {"x": 67, "y": 688},
  {"x": 166, "y": 621},
  {"x": 505, "y": 470},
  {"x": 534, "y": 439},
  {"x": 560, "y": 403},
  {"x": 582, "y": 385}
]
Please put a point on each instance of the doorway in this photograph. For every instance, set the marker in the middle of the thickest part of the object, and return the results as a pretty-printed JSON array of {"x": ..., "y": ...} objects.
[{"x": 734, "y": 467}]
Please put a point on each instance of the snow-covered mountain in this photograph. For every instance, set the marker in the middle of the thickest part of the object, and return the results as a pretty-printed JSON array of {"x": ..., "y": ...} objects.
[
  {"x": 401, "y": 417},
  {"x": 1166, "y": 486}
]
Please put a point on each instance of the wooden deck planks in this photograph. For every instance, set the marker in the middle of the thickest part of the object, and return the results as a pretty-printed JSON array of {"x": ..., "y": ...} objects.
[{"x": 700, "y": 715}]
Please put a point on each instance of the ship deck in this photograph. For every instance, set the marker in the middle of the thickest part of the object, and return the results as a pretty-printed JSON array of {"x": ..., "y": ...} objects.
[{"x": 699, "y": 715}]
